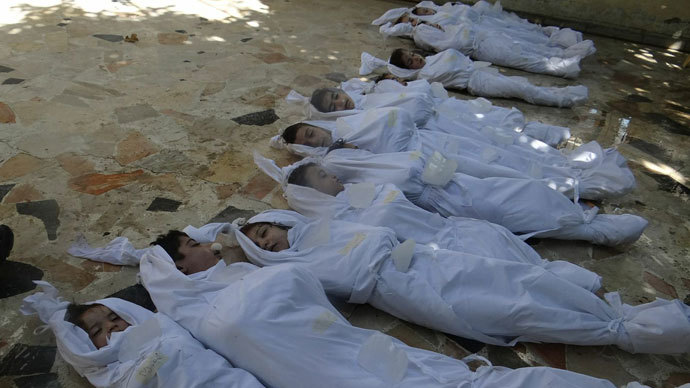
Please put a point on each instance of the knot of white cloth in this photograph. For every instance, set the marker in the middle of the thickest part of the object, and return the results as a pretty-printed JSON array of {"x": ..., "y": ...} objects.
[
  {"x": 239, "y": 222},
  {"x": 614, "y": 325},
  {"x": 589, "y": 214}
]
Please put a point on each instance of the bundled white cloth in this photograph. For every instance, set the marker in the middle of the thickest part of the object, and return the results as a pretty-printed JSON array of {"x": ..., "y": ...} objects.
[
  {"x": 278, "y": 324},
  {"x": 587, "y": 172},
  {"x": 525, "y": 207},
  {"x": 420, "y": 105},
  {"x": 386, "y": 206},
  {"x": 491, "y": 300},
  {"x": 153, "y": 351},
  {"x": 456, "y": 71},
  {"x": 486, "y": 34},
  {"x": 460, "y": 116}
]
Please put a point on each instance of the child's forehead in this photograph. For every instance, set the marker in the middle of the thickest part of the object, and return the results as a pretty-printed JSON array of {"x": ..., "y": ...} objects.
[{"x": 97, "y": 311}]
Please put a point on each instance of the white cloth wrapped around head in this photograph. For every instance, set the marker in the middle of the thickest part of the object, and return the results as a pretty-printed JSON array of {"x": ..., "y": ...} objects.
[
  {"x": 369, "y": 63},
  {"x": 278, "y": 142},
  {"x": 278, "y": 174},
  {"x": 73, "y": 342},
  {"x": 390, "y": 16},
  {"x": 294, "y": 98}
]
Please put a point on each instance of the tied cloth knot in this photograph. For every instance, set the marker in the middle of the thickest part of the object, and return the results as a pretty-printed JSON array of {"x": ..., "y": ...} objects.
[
  {"x": 614, "y": 300},
  {"x": 615, "y": 325},
  {"x": 589, "y": 215}
]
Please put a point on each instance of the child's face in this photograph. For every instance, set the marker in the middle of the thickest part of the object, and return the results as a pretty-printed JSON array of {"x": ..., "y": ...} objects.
[
  {"x": 312, "y": 136},
  {"x": 337, "y": 101},
  {"x": 317, "y": 178},
  {"x": 268, "y": 237},
  {"x": 197, "y": 257},
  {"x": 99, "y": 321},
  {"x": 424, "y": 11},
  {"x": 413, "y": 61}
]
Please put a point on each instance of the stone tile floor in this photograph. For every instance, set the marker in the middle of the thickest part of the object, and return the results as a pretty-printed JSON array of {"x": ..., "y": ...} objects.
[{"x": 111, "y": 138}]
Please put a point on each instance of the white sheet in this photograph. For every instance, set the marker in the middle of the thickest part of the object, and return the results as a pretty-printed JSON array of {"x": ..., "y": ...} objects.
[
  {"x": 153, "y": 352},
  {"x": 277, "y": 323},
  {"x": 456, "y": 71},
  {"x": 491, "y": 300}
]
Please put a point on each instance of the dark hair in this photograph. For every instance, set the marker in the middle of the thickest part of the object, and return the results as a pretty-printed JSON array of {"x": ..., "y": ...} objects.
[
  {"x": 399, "y": 20},
  {"x": 298, "y": 176},
  {"x": 290, "y": 132},
  {"x": 318, "y": 96},
  {"x": 75, "y": 311},
  {"x": 397, "y": 58},
  {"x": 171, "y": 243},
  {"x": 382, "y": 77}
]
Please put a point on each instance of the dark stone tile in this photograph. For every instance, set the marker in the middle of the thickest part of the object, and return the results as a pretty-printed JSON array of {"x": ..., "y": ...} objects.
[
  {"x": 257, "y": 118},
  {"x": 504, "y": 356},
  {"x": 13, "y": 81},
  {"x": 637, "y": 98},
  {"x": 668, "y": 184},
  {"x": 109, "y": 38},
  {"x": 668, "y": 124},
  {"x": 163, "y": 205},
  {"x": 4, "y": 189},
  {"x": 230, "y": 213},
  {"x": 25, "y": 359},
  {"x": 650, "y": 148},
  {"x": 45, "y": 380},
  {"x": 5, "y": 69},
  {"x": 336, "y": 77},
  {"x": 17, "y": 278},
  {"x": 344, "y": 308},
  {"x": 47, "y": 211},
  {"x": 244, "y": 40},
  {"x": 136, "y": 294},
  {"x": 468, "y": 344},
  {"x": 181, "y": 31}
]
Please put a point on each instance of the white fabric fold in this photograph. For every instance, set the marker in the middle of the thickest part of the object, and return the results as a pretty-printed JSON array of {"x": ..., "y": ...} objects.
[
  {"x": 118, "y": 252},
  {"x": 152, "y": 352}
]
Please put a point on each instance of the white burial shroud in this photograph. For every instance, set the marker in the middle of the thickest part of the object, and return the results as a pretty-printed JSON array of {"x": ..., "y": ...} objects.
[
  {"x": 456, "y": 71},
  {"x": 386, "y": 206},
  {"x": 277, "y": 323},
  {"x": 153, "y": 352},
  {"x": 588, "y": 171},
  {"x": 527, "y": 207},
  {"x": 494, "y": 301},
  {"x": 463, "y": 117}
]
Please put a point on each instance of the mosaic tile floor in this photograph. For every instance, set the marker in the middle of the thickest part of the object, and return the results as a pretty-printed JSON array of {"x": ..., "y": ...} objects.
[{"x": 108, "y": 137}]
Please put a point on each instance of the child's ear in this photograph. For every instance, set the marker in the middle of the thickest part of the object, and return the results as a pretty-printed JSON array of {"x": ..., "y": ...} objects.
[{"x": 181, "y": 267}]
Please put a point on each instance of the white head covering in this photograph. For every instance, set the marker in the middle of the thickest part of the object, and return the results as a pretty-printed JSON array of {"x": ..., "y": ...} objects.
[
  {"x": 311, "y": 112},
  {"x": 74, "y": 343},
  {"x": 278, "y": 142},
  {"x": 369, "y": 63},
  {"x": 390, "y": 16},
  {"x": 278, "y": 174}
]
